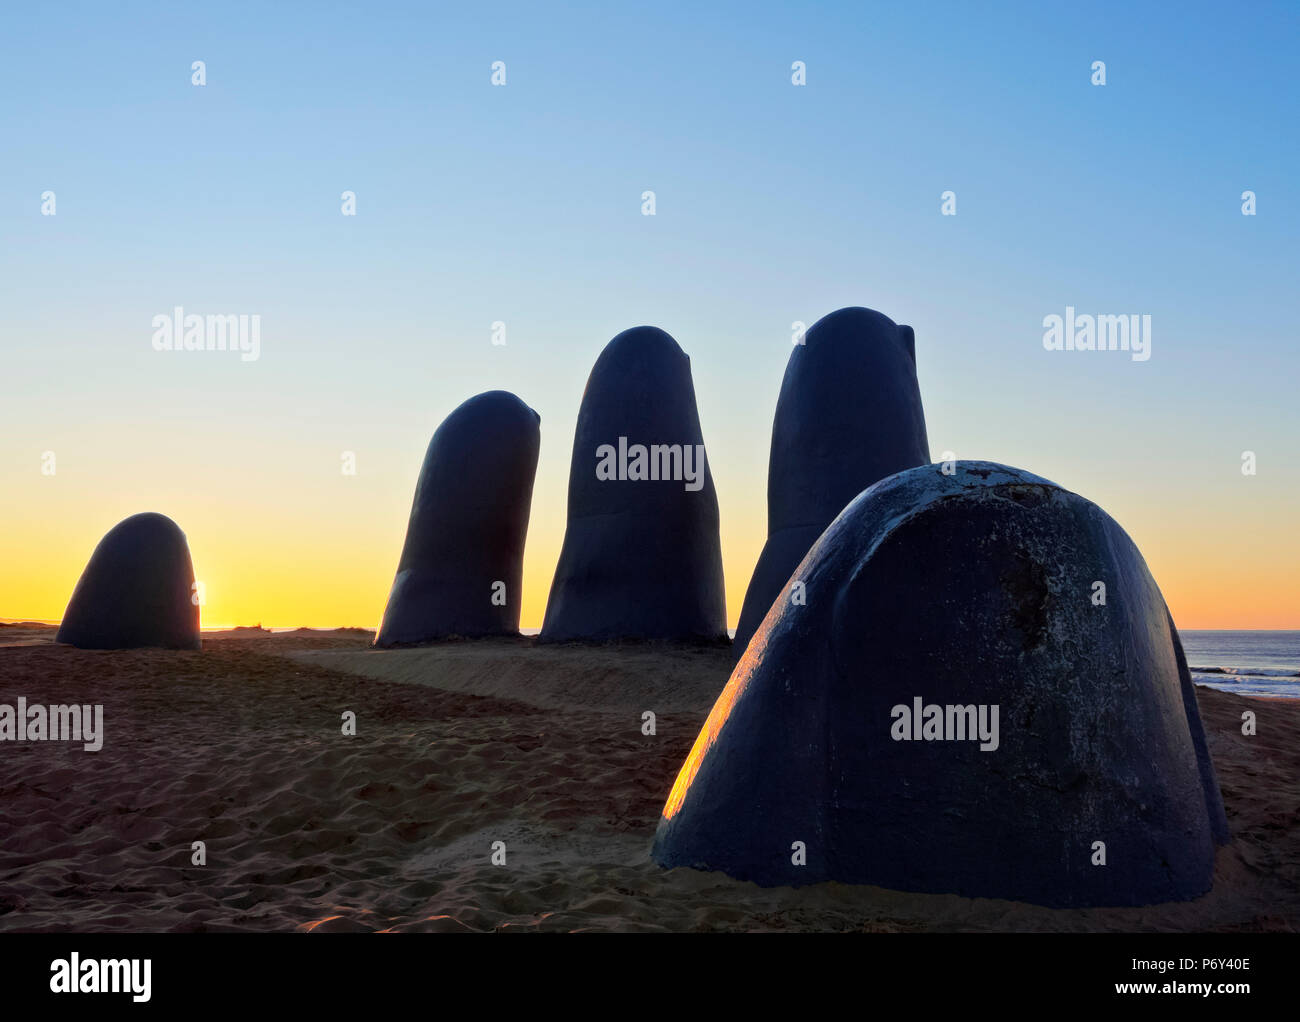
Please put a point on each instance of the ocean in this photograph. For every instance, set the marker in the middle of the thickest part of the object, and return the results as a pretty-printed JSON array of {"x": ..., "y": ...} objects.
[{"x": 1256, "y": 663}]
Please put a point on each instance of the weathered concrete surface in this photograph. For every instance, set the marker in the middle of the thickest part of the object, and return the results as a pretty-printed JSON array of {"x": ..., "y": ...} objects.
[
  {"x": 1205, "y": 765},
  {"x": 969, "y": 589},
  {"x": 642, "y": 558},
  {"x": 137, "y": 590},
  {"x": 849, "y": 414},
  {"x": 468, "y": 524}
]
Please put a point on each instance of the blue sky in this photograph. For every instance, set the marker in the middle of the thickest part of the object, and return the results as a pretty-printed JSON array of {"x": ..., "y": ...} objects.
[{"x": 522, "y": 204}]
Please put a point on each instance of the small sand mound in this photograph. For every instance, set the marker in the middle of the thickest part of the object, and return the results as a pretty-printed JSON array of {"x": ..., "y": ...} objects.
[{"x": 664, "y": 677}]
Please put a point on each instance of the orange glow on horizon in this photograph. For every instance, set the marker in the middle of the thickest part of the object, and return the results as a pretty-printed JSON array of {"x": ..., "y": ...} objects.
[{"x": 262, "y": 562}]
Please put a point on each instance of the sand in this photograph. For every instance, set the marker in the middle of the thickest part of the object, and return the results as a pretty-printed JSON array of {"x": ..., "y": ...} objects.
[{"x": 459, "y": 746}]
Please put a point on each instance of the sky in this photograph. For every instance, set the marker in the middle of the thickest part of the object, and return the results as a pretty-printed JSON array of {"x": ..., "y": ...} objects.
[{"x": 522, "y": 204}]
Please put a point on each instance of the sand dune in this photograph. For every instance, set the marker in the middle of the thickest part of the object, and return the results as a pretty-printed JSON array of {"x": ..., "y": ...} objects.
[
  {"x": 239, "y": 746},
  {"x": 26, "y": 633}
]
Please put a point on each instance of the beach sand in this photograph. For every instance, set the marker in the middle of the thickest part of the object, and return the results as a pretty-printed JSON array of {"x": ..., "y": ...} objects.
[{"x": 459, "y": 746}]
